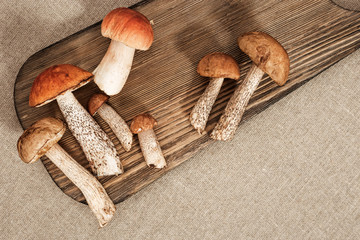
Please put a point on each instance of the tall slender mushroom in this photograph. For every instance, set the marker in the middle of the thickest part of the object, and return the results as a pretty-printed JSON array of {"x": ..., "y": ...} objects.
[
  {"x": 217, "y": 66},
  {"x": 58, "y": 82},
  {"x": 41, "y": 138},
  {"x": 269, "y": 57},
  {"x": 97, "y": 104},
  {"x": 128, "y": 30},
  {"x": 143, "y": 125}
]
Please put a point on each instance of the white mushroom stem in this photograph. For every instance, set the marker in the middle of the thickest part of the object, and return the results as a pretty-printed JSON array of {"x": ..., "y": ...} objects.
[
  {"x": 97, "y": 146},
  {"x": 117, "y": 124},
  {"x": 151, "y": 150},
  {"x": 95, "y": 194},
  {"x": 114, "y": 68},
  {"x": 226, "y": 127},
  {"x": 201, "y": 111}
]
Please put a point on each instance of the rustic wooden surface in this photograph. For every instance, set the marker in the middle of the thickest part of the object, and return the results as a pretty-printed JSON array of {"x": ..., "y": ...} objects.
[{"x": 164, "y": 82}]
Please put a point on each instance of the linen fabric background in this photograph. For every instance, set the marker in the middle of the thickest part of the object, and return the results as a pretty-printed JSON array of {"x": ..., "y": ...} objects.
[{"x": 292, "y": 171}]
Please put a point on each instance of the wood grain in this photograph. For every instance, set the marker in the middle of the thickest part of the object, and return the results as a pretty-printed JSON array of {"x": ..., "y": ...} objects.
[{"x": 164, "y": 82}]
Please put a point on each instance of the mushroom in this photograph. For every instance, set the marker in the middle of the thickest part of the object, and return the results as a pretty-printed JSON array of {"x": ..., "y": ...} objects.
[
  {"x": 97, "y": 104},
  {"x": 128, "y": 30},
  {"x": 217, "y": 66},
  {"x": 58, "y": 82},
  {"x": 143, "y": 125},
  {"x": 41, "y": 138},
  {"x": 267, "y": 56}
]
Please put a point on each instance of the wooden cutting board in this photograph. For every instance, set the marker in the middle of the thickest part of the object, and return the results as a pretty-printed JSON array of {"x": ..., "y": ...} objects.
[{"x": 164, "y": 82}]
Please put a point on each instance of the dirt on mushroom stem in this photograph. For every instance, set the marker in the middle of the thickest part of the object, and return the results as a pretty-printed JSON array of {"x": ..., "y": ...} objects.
[
  {"x": 227, "y": 125},
  {"x": 117, "y": 124},
  {"x": 97, "y": 146},
  {"x": 201, "y": 111},
  {"x": 151, "y": 149}
]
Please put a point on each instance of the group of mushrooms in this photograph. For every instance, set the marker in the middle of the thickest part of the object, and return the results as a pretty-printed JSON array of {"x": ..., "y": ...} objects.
[
  {"x": 130, "y": 30},
  {"x": 267, "y": 55}
]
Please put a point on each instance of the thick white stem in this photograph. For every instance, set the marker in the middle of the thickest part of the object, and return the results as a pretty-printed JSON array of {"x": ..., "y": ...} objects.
[
  {"x": 95, "y": 194},
  {"x": 117, "y": 124},
  {"x": 201, "y": 111},
  {"x": 226, "y": 127},
  {"x": 114, "y": 68},
  {"x": 97, "y": 146},
  {"x": 151, "y": 150}
]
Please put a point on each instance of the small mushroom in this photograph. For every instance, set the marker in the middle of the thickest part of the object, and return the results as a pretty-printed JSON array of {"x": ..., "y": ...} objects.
[
  {"x": 268, "y": 56},
  {"x": 128, "y": 30},
  {"x": 41, "y": 138},
  {"x": 58, "y": 82},
  {"x": 217, "y": 66},
  {"x": 143, "y": 125},
  {"x": 97, "y": 104}
]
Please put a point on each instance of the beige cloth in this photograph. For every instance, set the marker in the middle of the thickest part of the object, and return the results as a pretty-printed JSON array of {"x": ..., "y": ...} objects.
[{"x": 292, "y": 172}]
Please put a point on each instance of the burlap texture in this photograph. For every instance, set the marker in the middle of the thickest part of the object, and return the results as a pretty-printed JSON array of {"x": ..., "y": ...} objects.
[{"x": 292, "y": 172}]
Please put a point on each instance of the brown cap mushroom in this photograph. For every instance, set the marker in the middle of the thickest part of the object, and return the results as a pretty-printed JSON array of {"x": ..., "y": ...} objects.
[
  {"x": 143, "y": 125},
  {"x": 96, "y": 101},
  {"x": 97, "y": 104},
  {"x": 41, "y": 138},
  {"x": 217, "y": 66},
  {"x": 58, "y": 82},
  {"x": 268, "y": 56},
  {"x": 128, "y": 30}
]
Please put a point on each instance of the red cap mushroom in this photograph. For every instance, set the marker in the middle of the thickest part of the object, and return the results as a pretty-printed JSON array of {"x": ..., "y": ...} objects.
[
  {"x": 41, "y": 138},
  {"x": 128, "y": 30},
  {"x": 58, "y": 82},
  {"x": 217, "y": 66},
  {"x": 97, "y": 104},
  {"x": 268, "y": 56},
  {"x": 143, "y": 125}
]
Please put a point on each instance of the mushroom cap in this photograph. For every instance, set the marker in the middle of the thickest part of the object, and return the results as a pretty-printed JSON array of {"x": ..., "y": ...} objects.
[
  {"x": 39, "y": 138},
  {"x": 267, "y": 54},
  {"x": 96, "y": 101},
  {"x": 129, "y": 27},
  {"x": 219, "y": 65},
  {"x": 56, "y": 80},
  {"x": 142, "y": 123}
]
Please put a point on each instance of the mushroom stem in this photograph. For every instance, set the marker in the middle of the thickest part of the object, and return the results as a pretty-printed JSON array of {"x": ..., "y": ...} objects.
[
  {"x": 201, "y": 111},
  {"x": 97, "y": 146},
  {"x": 95, "y": 194},
  {"x": 117, "y": 124},
  {"x": 151, "y": 149},
  {"x": 229, "y": 121},
  {"x": 114, "y": 68}
]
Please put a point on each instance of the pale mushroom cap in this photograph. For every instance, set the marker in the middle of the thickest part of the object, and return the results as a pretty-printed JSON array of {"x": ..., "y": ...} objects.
[
  {"x": 39, "y": 138},
  {"x": 267, "y": 54},
  {"x": 219, "y": 65},
  {"x": 142, "y": 123},
  {"x": 129, "y": 27},
  {"x": 56, "y": 80},
  {"x": 96, "y": 101}
]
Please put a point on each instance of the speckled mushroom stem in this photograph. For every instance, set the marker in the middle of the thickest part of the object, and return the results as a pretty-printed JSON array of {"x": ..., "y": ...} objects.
[
  {"x": 94, "y": 193},
  {"x": 151, "y": 150},
  {"x": 201, "y": 111},
  {"x": 97, "y": 146},
  {"x": 117, "y": 124},
  {"x": 113, "y": 70},
  {"x": 226, "y": 127}
]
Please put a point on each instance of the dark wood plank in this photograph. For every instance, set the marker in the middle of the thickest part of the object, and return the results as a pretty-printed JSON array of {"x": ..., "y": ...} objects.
[{"x": 164, "y": 82}]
